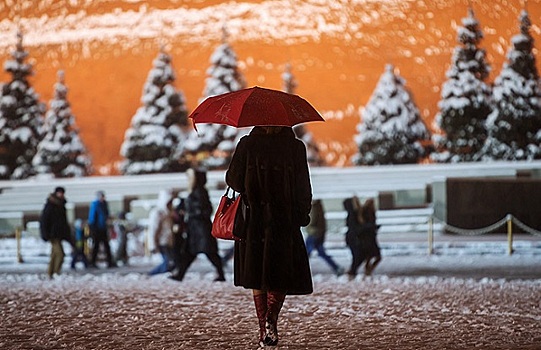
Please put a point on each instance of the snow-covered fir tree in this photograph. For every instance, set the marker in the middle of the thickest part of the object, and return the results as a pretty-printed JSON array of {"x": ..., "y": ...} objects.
[
  {"x": 212, "y": 145},
  {"x": 154, "y": 141},
  {"x": 312, "y": 150},
  {"x": 465, "y": 103},
  {"x": 21, "y": 117},
  {"x": 515, "y": 124},
  {"x": 391, "y": 130},
  {"x": 61, "y": 152}
]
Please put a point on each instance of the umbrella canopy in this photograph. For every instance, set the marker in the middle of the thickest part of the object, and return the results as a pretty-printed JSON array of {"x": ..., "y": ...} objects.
[{"x": 255, "y": 106}]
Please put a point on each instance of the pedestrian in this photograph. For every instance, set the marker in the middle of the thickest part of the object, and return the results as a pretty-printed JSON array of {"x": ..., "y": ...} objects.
[
  {"x": 79, "y": 245},
  {"x": 120, "y": 225},
  {"x": 316, "y": 231},
  {"x": 269, "y": 168},
  {"x": 179, "y": 232},
  {"x": 369, "y": 231},
  {"x": 98, "y": 221},
  {"x": 198, "y": 210},
  {"x": 161, "y": 228},
  {"x": 54, "y": 228},
  {"x": 354, "y": 240}
]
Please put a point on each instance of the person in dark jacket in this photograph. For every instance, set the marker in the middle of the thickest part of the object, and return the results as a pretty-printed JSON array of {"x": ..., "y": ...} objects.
[
  {"x": 316, "y": 230},
  {"x": 197, "y": 213},
  {"x": 54, "y": 228},
  {"x": 98, "y": 220},
  {"x": 270, "y": 169},
  {"x": 354, "y": 238},
  {"x": 369, "y": 231},
  {"x": 179, "y": 231}
]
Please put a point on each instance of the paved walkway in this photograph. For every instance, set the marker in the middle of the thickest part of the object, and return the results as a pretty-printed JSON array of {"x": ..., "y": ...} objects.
[
  {"x": 117, "y": 312},
  {"x": 467, "y": 295}
]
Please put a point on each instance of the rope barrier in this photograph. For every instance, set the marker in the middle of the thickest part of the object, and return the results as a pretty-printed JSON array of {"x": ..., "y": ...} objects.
[
  {"x": 526, "y": 228},
  {"x": 475, "y": 232},
  {"x": 509, "y": 219},
  {"x": 18, "y": 237},
  {"x": 490, "y": 228}
]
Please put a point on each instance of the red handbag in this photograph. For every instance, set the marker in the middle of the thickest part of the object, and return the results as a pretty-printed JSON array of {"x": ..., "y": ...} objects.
[{"x": 228, "y": 217}]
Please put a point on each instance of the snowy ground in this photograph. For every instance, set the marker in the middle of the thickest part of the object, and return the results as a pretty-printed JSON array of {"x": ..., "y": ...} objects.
[{"x": 469, "y": 295}]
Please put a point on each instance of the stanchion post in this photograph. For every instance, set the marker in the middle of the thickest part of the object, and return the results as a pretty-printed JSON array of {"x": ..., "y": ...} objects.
[
  {"x": 18, "y": 237},
  {"x": 430, "y": 235},
  {"x": 147, "y": 243},
  {"x": 510, "y": 234},
  {"x": 87, "y": 235}
]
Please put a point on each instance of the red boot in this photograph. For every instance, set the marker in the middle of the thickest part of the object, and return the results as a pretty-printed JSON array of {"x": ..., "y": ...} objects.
[
  {"x": 260, "y": 301},
  {"x": 275, "y": 300}
]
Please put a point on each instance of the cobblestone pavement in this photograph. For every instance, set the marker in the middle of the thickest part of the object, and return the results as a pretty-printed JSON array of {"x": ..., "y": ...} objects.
[
  {"x": 133, "y": 311},
  {"x": 466, "y": 296}
]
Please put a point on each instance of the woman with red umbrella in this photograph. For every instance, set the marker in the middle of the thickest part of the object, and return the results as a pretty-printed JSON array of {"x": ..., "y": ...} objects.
[{"x": 269, "y": 167}]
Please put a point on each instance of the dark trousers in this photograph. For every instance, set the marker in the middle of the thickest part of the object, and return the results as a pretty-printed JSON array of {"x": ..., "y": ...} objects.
[
  {"x": 78, "y": 255},
  {"x": 100, "y": 237},
  {"x": 179, "y": 245},
  {"x": 358, "y": 256},
  {"x": 187, "y": 259}
]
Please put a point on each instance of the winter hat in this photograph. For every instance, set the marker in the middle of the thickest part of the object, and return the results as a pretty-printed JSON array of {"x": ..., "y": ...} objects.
[
  {"x": 60, "y": 189},
  {"x": 196, "y": 178},
  {"x": 201, "y": 177}
]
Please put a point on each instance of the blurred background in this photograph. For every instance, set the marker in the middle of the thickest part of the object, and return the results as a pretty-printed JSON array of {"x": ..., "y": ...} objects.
[{"x": 336, "y": 52}]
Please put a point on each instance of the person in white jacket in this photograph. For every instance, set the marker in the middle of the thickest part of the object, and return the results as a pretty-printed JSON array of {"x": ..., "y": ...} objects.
[{"x": 161, "y": 228}]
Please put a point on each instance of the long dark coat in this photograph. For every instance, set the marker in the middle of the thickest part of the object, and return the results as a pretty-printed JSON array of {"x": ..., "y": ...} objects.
[
  {"x": 369, "y": 232},
  {"x": 271, "y": 171},
  {"x": 354, "y": 227},
  {"x": 361, "y": 236},
  {"x": 198, "y": 222},
  {"x": 53, "y": 220}
]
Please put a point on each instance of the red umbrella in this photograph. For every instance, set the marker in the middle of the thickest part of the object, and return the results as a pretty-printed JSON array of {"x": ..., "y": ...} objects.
[{"x": 255, "y": 106}]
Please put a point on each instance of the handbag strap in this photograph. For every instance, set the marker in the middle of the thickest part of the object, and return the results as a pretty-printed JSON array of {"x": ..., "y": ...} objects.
[{"x": 227, "y": 192}]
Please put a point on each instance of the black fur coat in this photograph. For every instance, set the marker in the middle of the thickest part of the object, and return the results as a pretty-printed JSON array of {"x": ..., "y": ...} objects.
[{"x": 271, "y": 171}]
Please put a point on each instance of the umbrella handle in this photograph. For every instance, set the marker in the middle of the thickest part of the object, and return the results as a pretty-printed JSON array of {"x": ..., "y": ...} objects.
[{"x": 194, "y": 126}]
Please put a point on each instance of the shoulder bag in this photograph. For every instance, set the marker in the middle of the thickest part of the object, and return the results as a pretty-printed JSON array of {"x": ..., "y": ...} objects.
[{"x": 229, "y": 220}]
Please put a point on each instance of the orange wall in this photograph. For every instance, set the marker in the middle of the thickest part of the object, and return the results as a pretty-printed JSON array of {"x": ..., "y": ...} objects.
[{"x": 106, "y": 80}]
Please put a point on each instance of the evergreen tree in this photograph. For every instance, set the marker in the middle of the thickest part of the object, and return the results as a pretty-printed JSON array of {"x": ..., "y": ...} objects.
[
  {"x": 21, "y": 118},
  {"x": 391, "y": 131},
  {"x": 312, "y": 150},
  {"x": 154, "y": 141},
  {"x": 61, "y": 151},
  {"x": 213, "y": 144},
  {"x": 515, "y": 125},
  {"x": 465, "y": 103}
]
